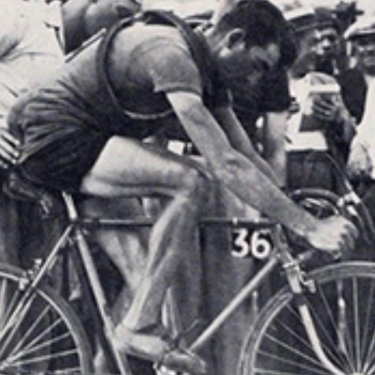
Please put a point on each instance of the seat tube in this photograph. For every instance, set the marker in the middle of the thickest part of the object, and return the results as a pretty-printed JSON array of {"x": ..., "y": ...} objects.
[
  {"x": 100, "y": 299},
  {"x": 94, "y": 282}
]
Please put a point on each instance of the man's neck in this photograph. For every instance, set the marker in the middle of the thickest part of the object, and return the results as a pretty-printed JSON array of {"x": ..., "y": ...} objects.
[{"x": 213, "y": 40}]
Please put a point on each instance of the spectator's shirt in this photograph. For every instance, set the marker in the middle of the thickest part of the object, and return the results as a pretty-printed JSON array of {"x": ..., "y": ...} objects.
[
  {"x": 29, "y": 48},
  {"x": 144, "y": 64},
  {"x": 366, "y": 129},
  {"x": 304, "y": 131},
  {"x": 354, "y": 91}
]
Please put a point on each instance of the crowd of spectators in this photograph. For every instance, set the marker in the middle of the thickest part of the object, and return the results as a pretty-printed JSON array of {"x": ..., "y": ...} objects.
[{"x": 319, "y": 110}]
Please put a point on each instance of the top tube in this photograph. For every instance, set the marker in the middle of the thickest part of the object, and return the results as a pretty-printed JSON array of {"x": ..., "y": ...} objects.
[{"x": 75, "y": 217}]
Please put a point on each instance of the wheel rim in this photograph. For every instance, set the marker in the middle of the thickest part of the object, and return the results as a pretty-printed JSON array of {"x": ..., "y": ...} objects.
[
  {"x": 35, "y": 338},
  {"x": 346, "y": 329}
]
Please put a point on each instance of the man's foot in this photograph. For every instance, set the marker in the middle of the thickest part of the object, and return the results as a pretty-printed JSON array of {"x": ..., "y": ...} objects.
[
  {"x": 182, "y": 361},
  {"x": 163, "y": 353}
]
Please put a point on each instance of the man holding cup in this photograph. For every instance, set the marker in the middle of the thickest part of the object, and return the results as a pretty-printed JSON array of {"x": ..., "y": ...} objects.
[{"x": 320, "y": 128}]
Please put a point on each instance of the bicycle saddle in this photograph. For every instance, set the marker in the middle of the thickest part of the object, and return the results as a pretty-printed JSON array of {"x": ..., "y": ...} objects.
[{"x": 19, "y": 188}]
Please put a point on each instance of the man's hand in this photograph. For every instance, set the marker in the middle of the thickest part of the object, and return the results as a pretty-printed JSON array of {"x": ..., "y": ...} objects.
[
  {"x": 328, "y": 108},
  {"x": 9, "y": 149},
  {"x": 334, "y": 235},
  {"x": 332, "y": 110}
]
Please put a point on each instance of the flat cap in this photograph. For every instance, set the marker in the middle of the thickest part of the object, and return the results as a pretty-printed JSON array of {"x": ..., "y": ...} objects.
[
  {"x": 302, "y": 18},
  {"x": 364, "y": 26}
]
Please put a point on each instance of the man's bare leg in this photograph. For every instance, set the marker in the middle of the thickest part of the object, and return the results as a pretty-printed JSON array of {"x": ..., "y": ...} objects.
[
  {"x": 124, "y": 168},
  {"x": 126, "y": 247}
]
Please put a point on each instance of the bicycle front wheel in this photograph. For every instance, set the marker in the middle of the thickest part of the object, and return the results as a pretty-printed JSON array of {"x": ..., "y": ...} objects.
[
  {"x": 39, "y": 334},
  {"x": 343, "y": 312}
]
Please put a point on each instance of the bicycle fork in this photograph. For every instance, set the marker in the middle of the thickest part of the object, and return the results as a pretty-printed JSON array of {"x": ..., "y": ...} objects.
[{"x": 298, "y": 286}]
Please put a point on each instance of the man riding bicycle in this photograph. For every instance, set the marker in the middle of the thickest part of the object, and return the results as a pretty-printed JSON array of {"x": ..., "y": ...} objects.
[{"x": 83, "y": 132}]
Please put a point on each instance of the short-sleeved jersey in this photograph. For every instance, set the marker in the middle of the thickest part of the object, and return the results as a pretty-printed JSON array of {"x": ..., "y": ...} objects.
[{"x": 145, "y": 62}]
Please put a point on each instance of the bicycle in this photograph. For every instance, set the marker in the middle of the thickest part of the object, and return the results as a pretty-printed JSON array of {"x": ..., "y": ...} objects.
[{"x": 312, "y": 326}]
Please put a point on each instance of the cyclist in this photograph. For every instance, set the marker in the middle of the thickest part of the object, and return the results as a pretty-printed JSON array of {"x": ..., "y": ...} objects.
[{"x": 76, "y": 138}]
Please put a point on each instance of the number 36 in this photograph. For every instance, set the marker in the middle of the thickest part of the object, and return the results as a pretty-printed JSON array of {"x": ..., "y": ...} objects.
[{"x": 255, "y": 243}]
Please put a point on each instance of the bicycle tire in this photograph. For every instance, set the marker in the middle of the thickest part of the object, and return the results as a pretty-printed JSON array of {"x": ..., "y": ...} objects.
[
  {"x": 41, "y": 336},
  {"x": 343, "y": 309}
]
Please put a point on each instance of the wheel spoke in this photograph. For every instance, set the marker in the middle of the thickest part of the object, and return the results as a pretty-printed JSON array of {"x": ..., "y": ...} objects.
[
  {"x": 46, "y": 358},
  {"x": 332, "y": 331},
  {"x": 368, "y": 330},
  {"x": 38, "y": 332},
  {"x": 295, "y": 360},
  {"x": 45, "y": 345},
  {"x": 357, "y": 332},
  {"x": 342, "y": 311},
  {"x": 30, "y": 330}
]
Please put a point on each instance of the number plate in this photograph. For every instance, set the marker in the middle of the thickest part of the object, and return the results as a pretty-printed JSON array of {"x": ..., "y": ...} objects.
[{"x": 255, "y": 243}]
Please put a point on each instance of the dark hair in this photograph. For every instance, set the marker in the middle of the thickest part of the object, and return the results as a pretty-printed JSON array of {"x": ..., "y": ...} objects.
[{"x": 262, "y": 23}]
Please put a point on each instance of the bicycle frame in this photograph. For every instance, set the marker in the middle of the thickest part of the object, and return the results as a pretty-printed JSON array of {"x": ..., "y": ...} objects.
[
  {"x": 280, "y": 255},
  {"x": 297, "y": 285}
]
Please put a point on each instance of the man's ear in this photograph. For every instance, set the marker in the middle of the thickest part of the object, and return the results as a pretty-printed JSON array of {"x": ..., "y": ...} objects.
[{"x": 235, "y": 37}]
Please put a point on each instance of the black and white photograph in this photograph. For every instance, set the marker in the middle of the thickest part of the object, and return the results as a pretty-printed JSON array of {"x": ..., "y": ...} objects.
[{"x": 187, "y": 187}]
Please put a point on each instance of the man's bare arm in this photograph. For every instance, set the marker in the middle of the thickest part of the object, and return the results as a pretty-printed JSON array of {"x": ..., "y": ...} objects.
[
  {"x": 243, "y": 178},
  {"x": 240, "y": 140}
]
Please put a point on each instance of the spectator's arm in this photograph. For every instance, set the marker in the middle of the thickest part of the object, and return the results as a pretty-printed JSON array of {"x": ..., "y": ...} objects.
[
  {"x": 366, "y": 129},
  {"x": 362, "y": 151}
]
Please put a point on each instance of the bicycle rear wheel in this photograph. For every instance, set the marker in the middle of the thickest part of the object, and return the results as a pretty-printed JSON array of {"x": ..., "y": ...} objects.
[
  {"x": 343, "y": 310},
  {"x": 40, "y": 334}
]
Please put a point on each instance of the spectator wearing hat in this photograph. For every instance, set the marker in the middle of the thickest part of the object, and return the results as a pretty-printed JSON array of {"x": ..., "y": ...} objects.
[
  {"x": 359, "y": 89},
  {"x": 319, "y": 127},
  {"x": 329, "y": 52},
  {"x": 354, "y": 82}
]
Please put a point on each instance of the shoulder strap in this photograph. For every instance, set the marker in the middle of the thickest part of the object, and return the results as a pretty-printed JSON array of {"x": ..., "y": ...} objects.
[
  {"x": 159, "y": 17},
  {"x": 106, "y": 90},
  {"x": 195, "y": 45}
]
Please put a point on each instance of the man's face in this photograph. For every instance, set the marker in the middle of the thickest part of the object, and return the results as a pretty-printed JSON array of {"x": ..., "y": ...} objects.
[
  {"x": 307, "y": 53},
  {"x": 104, "y": 13},
  {"x": 365, "y": 52},
  {"x": 328, "y": 43},
  {"x": 242, "y": 62}
]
